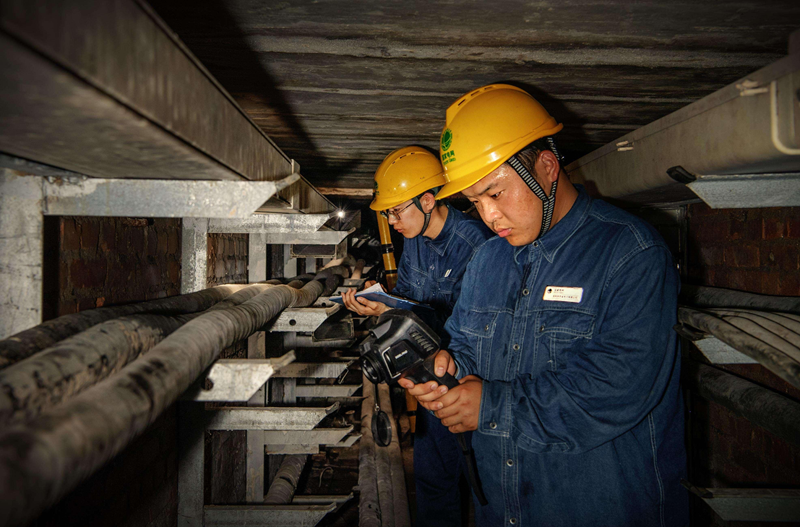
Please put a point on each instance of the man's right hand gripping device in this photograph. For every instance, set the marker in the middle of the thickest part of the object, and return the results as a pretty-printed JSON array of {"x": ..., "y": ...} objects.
[{"x": 401, "y": 346}]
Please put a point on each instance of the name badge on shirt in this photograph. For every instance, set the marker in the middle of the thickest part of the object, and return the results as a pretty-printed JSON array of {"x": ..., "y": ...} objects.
[{"x": 556, "y": 293}]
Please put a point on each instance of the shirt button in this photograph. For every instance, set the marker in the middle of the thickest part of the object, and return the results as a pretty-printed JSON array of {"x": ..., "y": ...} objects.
[
  {"x": 486, "y": 328},
  {"x": 516, "y": 347},
  {"x": 510, "y": 462},
  {"x": 492, "y": 425},
  {"x": 541, "y": 328},
  {"x": 536, "y": 244},
  {"x": 525, "y": 292},
  {"x": 512, "y": 521}
]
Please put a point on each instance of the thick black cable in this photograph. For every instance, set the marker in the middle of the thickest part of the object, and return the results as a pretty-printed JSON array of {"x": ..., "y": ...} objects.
[{"x": 768, "y": 355}]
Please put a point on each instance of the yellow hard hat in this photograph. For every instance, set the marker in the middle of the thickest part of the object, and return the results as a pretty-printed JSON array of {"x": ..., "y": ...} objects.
[
  {"x": 484, "y": 128},
  {"x": 405, "y": 174}
]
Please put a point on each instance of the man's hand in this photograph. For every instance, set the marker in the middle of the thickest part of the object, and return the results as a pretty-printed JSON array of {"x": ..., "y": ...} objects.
[
  {"x": 361, "y": 305},
  {"x": 428, "y": 392},
  {"x": 459, "y": 409}
]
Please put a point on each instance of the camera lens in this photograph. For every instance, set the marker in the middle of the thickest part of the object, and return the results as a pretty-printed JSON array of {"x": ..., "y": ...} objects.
[{"x": 371, "y": 368}]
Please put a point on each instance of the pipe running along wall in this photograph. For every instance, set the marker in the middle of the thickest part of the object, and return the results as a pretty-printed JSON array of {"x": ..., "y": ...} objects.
[
  {"x": 704, "y": 296},
  {"x": 26, "y": 343},
  {"x": 761, "y": 406},
  {"x": 46, "y": 458},
  {"x": 286, "y": 479},
  {"x": 59, "y": 372},
  {"x": 67, "y": 368},
  {"x": 770, "y": 338}
]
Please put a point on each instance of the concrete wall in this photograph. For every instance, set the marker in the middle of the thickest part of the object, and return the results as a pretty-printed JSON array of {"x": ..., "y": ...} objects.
[{"x": 755, "y": 250}]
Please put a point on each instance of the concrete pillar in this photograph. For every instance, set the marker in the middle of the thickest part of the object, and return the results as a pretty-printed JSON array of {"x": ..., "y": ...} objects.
[
  {"x": 194, "y": 254},
  {"x": 21, "y": 224}
]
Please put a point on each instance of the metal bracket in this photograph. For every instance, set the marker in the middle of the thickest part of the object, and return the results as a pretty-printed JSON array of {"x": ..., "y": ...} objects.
[
  {"x": 347, "y": 442},
  {"x": 266, "y": 515},
  {"x": 302, "y": 319},
  {"x": 267, "y": 418},
  {"x": 298, "y": 225},
  {"x": 751, "y": 505},
  {"x": 318, "y": 370},
  {"x": 276, "y": 439},
  {"x": 748, "y": 190},
  {"x": 319, "y": 251},
  {"x": 321, "y": 499},
  {"x": 718, "y": 352},
  {"x": 326, "y": 390},
  {"x": 236, "y": 380},
  {"x": 311, "y": 238},
  {"x": 153, "y": 198}
]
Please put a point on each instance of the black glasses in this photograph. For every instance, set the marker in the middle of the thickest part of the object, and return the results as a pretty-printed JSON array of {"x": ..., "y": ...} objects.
[{"x": 394, "y": 213}]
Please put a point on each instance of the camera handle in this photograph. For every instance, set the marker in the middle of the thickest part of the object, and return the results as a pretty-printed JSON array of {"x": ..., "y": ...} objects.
[{"x": 469, "y": 455}]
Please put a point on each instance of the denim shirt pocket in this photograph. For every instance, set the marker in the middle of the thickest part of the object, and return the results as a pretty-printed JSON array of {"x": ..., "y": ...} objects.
[
  {"x": 417, "y": 279},
  {"x": 480, "y": 327},
  {"x": 444, "y": 290},
  {"x": 560, "y": 331}
]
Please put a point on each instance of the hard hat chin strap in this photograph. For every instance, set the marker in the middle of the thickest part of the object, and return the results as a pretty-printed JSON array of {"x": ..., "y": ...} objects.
[
  {"x": 548, "y": 203},
  {"x": 418, "y": 203}
]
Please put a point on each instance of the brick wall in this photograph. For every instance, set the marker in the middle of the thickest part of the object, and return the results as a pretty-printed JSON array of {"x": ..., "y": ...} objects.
[
  {"x": 227, "y": 259},
  {"x": 107, "y": 261},
  {"x": 754, "y": 250}
]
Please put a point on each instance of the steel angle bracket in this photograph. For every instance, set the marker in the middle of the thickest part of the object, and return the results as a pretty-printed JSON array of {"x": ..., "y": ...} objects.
[
  {"x": 748, "y": 190},
  {"x": 317, "y": 370},
  {"x": 717, "y": 352},
  {"x": 321, "y": 499},
  {"x": 303, "y": 442},
  {"x": 297, "y": 225},
  {"x": 302, "y": 319},
  {"x": 347, "y": 442},
  {"x": 267, "y": 418},
  {"x": 304, "y": 515},
  {"x": 154, "y": 198},
  {"x": 751, "y": 505},
  {"x": 326, "y": 390},
  {"x": 236, "y": 380},
  {"x": 321, "y": 237}
]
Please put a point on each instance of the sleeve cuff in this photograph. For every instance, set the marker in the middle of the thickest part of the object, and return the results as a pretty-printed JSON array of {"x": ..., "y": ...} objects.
[{"x": 495, "y": 414}]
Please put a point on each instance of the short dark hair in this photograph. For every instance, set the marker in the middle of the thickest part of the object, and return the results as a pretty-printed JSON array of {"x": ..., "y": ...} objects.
[{"x": 528, "y": 155}]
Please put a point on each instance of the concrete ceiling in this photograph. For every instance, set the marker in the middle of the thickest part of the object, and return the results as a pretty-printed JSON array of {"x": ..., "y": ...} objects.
[{"x": 338, "y": 84}]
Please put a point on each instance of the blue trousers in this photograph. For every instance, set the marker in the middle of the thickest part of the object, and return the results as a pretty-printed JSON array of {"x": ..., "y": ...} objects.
[{"x": 438, "y": 464}]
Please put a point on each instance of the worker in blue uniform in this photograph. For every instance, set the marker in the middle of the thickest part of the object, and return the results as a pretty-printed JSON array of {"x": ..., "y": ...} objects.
[
  {"x": 562, "y": 338},
  {"x": 439, "y": 241}
]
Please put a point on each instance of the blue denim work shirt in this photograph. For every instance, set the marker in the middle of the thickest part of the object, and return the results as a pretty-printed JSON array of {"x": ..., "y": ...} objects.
[
  {"x": 581, "y": 419},
  {"x": 430, "y": 270}
]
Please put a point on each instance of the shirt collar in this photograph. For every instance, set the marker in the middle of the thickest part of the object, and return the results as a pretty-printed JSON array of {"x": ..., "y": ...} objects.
[
  {"x": 442, "y": 241},
  {"x": 562, "y": 231}
]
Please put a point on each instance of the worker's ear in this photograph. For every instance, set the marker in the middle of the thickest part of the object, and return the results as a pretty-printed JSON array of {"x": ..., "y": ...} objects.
[
  {"x": 548, "y": 166},
  {"x": 428, "y": 202}
]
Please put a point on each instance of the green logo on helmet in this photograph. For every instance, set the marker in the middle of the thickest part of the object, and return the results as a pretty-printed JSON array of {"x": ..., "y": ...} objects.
[
  {"x": 447, "y": 138},
  {"x": 375, "y": 190}
]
